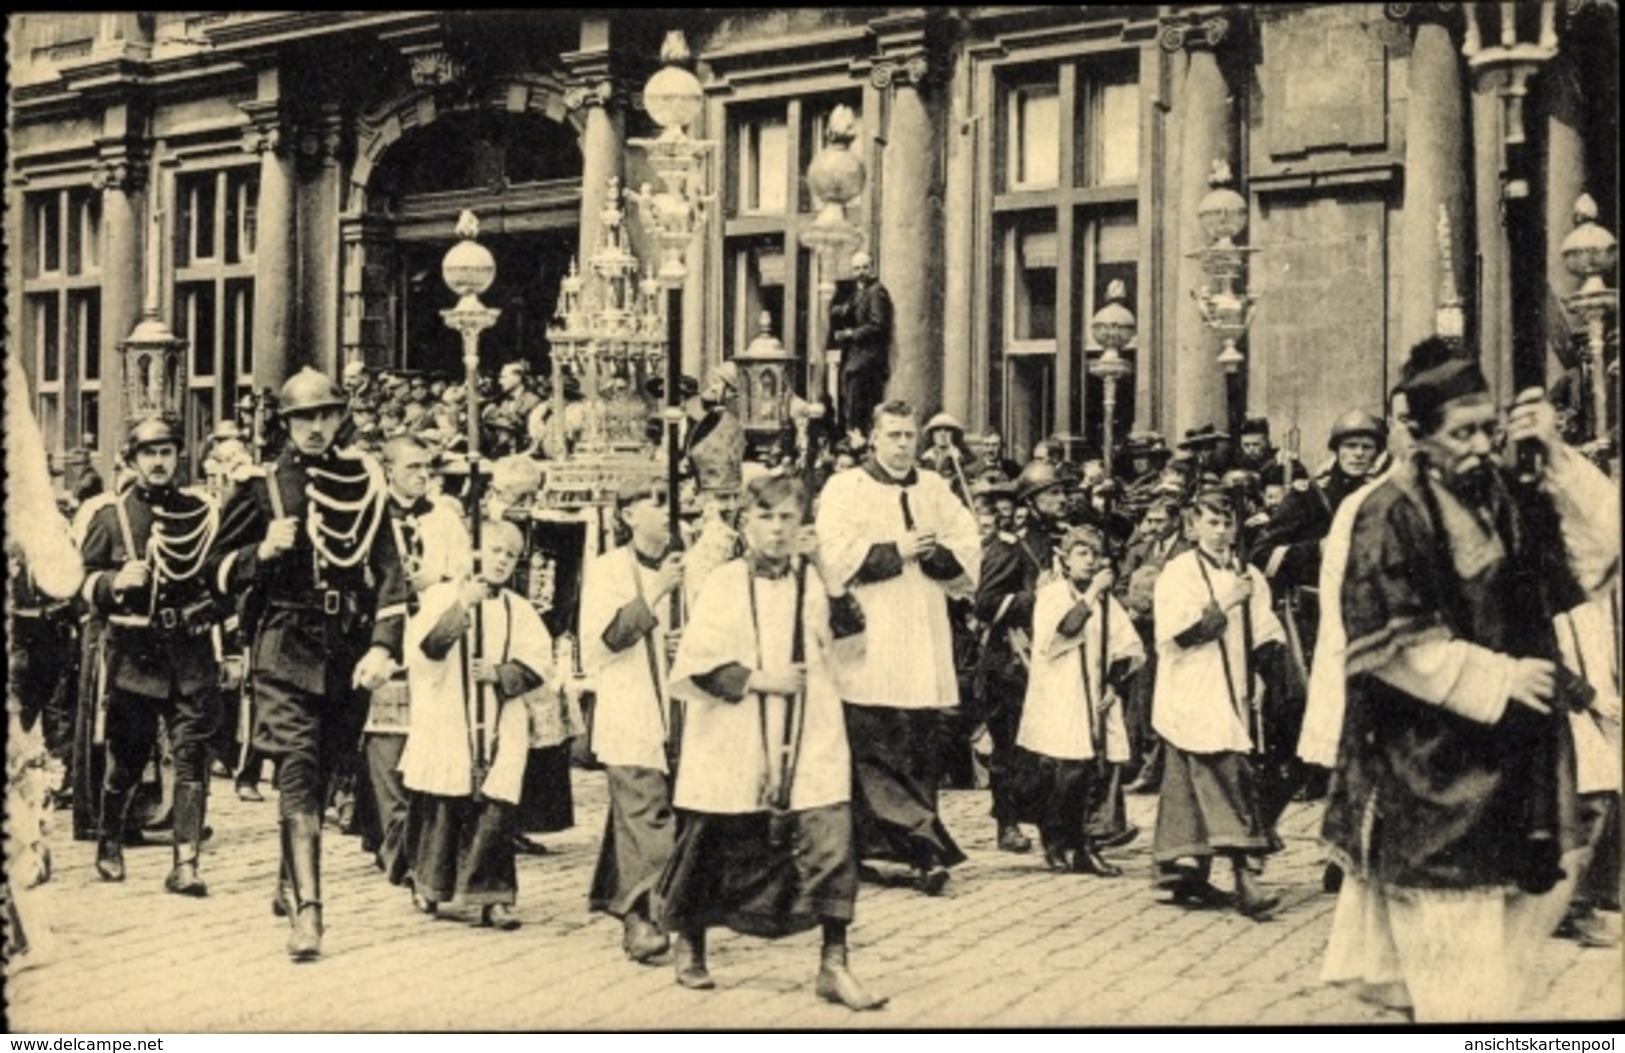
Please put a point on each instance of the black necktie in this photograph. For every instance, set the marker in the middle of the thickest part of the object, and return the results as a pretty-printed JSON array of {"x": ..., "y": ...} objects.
[{"x": 908, "y": 516}]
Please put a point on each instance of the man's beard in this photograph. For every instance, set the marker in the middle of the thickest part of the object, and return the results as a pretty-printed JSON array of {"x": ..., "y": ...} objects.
[{"x": 1475, "y": 486}]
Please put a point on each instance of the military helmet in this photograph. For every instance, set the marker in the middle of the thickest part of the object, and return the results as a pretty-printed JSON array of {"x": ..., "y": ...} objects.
[
  {"x": 150, "y": 431},
  {"x": 1357, "y": 422},
  {"x": 944, "y": 420},
  {"x": 1034, "y": 479},
  {"x": 308, "y": 391}
]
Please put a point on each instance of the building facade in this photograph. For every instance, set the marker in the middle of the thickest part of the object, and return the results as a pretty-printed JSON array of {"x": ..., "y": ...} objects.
[{"x": 283, "y": 186}]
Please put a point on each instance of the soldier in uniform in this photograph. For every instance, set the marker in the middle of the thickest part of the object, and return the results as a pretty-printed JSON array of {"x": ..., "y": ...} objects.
[
  {"x": 1014, "y": 565},
  {"x": 310, "y": 531},
  {"x": 144, "y": 553},
  {"x": 1288, "y": 551}
]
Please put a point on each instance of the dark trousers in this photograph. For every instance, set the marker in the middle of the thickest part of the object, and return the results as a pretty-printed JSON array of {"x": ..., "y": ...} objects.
[
  {"x": 44, "y": 674},
  {"x": 312, "y": 737},
  {"x": 389, "y": 797},
  {"x": 132, "y": 734},
  {"x": 1002, "y": 726},
  {"x": 861, "y": 391},
  {"x": 1065, "y": 811}
]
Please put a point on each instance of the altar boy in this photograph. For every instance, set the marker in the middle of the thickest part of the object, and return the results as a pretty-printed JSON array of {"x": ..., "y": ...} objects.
[
  {"x": 469, "y": 697},
  {"x": 765, "y": 841},
  {"x": 1084, "y": 650}
]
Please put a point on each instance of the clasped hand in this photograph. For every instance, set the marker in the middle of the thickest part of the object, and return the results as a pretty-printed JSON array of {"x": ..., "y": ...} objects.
[
  {"x": 784, "y": 680},
  {"x": 917, "y": 544}
]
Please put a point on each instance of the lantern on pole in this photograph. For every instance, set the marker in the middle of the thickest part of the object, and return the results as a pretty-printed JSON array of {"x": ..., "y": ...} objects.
[
  {"x": 468, "y": 270},
  {"x": 1225, "y": 304},
  {"x": 835, "y": 177},
  {"x": 1590, "y": 253},
  {"x": 1113, "y": 329},
  {"x": 673, "y": 98}
]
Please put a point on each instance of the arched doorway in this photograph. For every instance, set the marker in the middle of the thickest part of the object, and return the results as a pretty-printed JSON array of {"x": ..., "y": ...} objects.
[{"x": 518, "y": 169}]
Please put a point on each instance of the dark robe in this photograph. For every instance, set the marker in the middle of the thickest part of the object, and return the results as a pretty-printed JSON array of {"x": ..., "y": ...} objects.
[{"x": 1424, "y": 797}]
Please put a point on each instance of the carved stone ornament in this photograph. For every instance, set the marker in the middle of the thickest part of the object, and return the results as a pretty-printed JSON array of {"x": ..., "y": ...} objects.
[
  {"x": 436, "y": 68},
  {"x": 262, "y": 138},
  {"x": 124, "y": 173},
  {"x": 1447, "y": 14},
  {"x": 1194, "y": 31},
  {"x": 581, "y": 96},
  {"x": 912, "y": 70}
]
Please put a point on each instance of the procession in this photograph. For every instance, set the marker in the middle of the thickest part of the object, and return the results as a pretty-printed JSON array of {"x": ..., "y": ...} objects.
[{"x": 583, "y": 638}]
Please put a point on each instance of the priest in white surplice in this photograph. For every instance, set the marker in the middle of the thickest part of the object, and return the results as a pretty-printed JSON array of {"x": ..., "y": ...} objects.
[{"x": 904, "y": 545}]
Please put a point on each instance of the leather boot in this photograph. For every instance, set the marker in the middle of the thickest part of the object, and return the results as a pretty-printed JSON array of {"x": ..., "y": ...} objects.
[
  {"x": 189, "y": 806},
  {"x": 690, "y": 959},
  {"x": 1088, "y": 860},
  {"x": 1055, "y": 859},
  {"x": 282, "y": 901},
  {"x": 110, "y": 835},
  {"x": 304, "y": 833},
  {"x": 642, "y": 939},
  {"x": 837, "y": 984}
]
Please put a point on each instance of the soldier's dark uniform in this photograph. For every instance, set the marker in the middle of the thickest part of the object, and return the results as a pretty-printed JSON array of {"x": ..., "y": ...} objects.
[
  {"x": 1012, "y": 566},
  {"x": 1287, "y": 550},
  {"x": 321, "y": 614},
  {"x": 159, "y": 658}
]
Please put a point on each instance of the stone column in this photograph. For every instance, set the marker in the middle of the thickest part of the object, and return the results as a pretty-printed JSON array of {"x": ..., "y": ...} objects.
[
  {"x": 909, "y": 243},
  {"x": 1492, "y": 289},
  {"x": 319, "y": 199},
  {"x": 274, "y": 264},
  {"x": 959, "y": 215},
  {"x": 1565, "y": 164},
  {"x": 591, "y": 96},
  {"x": 122, "y": 175},
  {"x": 1206, "y": 123},
  {"x": 1435, "y": 157}
]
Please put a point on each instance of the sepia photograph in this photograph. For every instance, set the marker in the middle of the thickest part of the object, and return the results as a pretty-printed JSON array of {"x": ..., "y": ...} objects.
[{"x": 1086, "y": 518}]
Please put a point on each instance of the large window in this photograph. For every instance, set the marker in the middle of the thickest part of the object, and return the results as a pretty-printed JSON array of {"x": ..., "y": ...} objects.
[
  {"x": 215, "y": 234},
  {"x": 62, "y": 311},
  {"x": 1065, "y": 224},
  {"x": 769, "y": 145}
]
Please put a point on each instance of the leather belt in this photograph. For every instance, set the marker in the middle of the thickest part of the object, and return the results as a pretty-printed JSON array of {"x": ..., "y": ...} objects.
[
  {"x": 330, "y": 602},
  {"x": 165, "y": 619},
  {"x": 39, "y": 612}
]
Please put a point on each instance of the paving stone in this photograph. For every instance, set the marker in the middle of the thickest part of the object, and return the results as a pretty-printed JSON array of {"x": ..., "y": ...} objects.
[{"x": 1008, "y": 945}]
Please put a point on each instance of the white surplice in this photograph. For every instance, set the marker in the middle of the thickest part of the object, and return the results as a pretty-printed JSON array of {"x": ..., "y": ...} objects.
[
  {"x": 1066, "y": 689},
  {"x": 908, "y": 662},
  {"x": 438, "y": 757},
  {"x": 1190, "y": 706},
  {"x": 631, "y": 713},
  {"x": 728, "y": 747}
]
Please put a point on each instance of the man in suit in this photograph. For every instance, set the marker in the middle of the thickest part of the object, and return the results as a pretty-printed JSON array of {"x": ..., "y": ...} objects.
[{"x": 861, "y": 326}]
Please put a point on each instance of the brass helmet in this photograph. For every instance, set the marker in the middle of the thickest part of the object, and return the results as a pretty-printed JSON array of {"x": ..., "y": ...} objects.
[
  {"x": 150, "y": 431},
  {"x": 308, "y": 391},
  {"x": 1034, "y": 479},
  {"x": 1358, "y": 422},
  {"x": 944, "y": 420}
]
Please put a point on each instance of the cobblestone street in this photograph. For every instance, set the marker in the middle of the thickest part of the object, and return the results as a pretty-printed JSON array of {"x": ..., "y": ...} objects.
[{"x": 1008, "y": 945}]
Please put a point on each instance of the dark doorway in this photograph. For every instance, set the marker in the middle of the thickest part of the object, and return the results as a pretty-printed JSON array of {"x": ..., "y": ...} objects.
[{"x": 526, "y": 290}]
